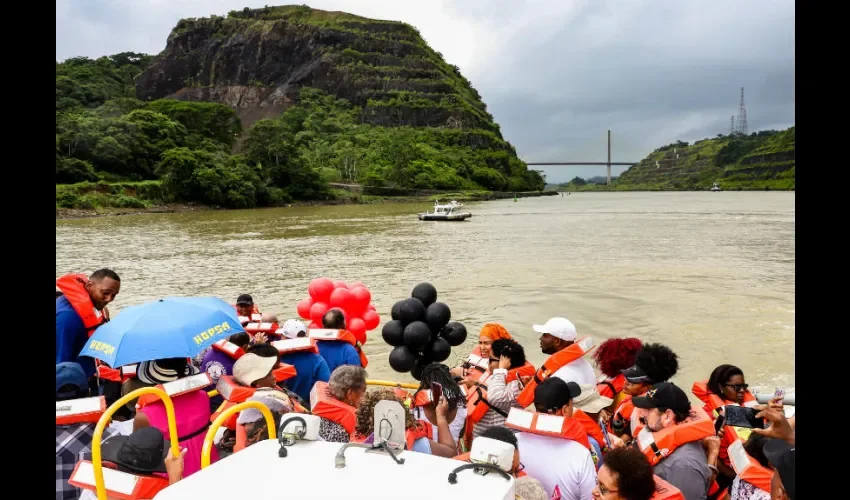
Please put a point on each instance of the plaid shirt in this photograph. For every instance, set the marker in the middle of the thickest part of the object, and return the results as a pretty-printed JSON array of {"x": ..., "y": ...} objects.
[{"x": 73, "y": 443}]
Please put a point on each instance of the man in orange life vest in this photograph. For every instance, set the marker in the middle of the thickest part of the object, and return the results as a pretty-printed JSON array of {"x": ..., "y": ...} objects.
[
  {"x": 245, "y": 305},
  {"x": 687, "y": 467},
  {"x": 556, "y": 335},
  {"x": 86, "y": 310}
]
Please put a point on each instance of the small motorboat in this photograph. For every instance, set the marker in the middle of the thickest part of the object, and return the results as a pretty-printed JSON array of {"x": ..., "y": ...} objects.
[
  {"x": 715, "y": 187},
  {"x": 450, "y": 212}
]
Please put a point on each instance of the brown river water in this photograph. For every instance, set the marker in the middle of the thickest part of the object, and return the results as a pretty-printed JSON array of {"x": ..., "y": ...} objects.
[{"x": 709, "y": 274}]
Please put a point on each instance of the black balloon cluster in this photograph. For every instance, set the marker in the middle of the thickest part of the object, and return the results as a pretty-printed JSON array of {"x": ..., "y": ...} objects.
[{"x": 421, "y": 331}]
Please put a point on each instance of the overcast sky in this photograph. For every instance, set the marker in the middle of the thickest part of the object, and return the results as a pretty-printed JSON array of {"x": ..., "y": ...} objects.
[{"x": 556, "y": 74}]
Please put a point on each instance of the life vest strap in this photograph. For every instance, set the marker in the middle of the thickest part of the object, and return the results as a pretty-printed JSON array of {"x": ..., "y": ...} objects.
[{"x": 482, "y": 399}]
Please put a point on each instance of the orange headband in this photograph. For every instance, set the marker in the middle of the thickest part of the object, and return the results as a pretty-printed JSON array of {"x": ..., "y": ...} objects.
[{"x": 494, "y": 331}]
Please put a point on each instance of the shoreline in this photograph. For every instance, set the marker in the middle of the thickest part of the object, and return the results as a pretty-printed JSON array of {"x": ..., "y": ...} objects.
[{"x": 79, "y": 213}]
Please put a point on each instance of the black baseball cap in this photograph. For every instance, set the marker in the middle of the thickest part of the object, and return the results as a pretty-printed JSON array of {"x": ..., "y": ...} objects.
[
  {"x": 143, "y": 451},
  {"x": 554, "y": 393},
  {"x": 245, "y": 300},
  {"x": 636, "y": 375},
  {"x": 664, "y": 395},
  {"x": 780, "y": 454}
]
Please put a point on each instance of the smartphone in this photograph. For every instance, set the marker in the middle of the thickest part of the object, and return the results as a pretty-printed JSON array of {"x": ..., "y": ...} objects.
[
  {"x": 605, "y": 433},
  {"x": 741, "y": 416},
  {"x": 436, "y": 392},
  {"x": 718, "y": 424}
]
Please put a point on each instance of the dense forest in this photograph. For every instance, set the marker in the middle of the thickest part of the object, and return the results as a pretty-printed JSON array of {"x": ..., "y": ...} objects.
[{"x": 114, "y": 148}]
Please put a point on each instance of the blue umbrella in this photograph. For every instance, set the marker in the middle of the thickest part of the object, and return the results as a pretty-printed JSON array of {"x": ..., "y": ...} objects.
[{"x": 174, "y": 327}]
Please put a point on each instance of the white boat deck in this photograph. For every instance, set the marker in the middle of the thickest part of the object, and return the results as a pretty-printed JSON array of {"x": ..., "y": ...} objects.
[{"x": 258, "y": 473}]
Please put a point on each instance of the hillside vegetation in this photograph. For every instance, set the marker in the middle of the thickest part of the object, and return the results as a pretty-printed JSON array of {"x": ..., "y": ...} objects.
[
  {"x": 267, "y": 106},
  {"x": 761, "y": 160}
]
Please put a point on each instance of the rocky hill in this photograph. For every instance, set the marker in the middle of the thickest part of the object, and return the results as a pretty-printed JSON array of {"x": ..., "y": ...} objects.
[
  {"x": 270, "y": 105},
  {"x": 256, "y": 61},
  {"x": 761, "y": 160}
]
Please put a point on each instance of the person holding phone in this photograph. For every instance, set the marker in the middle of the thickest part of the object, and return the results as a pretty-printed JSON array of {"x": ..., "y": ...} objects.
[
  {"x": 725, "y": 386},
  {"x": 448, "y": 416}
]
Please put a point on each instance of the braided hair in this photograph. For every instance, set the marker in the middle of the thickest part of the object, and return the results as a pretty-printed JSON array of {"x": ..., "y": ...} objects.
[{"x": 439, "y": 373}]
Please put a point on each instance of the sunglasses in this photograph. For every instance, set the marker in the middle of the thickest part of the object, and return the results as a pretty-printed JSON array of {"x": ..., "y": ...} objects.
[{"x": 737, "y": 387}]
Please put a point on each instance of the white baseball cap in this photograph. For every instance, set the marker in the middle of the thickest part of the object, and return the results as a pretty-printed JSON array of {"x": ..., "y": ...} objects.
[
  {"x": 562, "y": 328},
  {"x": 292, "y": 327}
]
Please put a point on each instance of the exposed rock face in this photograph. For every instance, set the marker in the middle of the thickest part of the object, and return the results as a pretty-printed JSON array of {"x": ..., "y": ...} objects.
[{"x": 256, "y": 61}]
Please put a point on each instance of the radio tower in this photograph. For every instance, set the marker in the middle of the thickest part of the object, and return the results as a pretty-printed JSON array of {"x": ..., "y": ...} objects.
[
  {"x": 732, "y": 126},
  {"x": 742, "y": 115}
]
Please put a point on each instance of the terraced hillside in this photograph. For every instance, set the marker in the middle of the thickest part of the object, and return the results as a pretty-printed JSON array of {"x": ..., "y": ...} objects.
[{"x": 762, "y": 160}]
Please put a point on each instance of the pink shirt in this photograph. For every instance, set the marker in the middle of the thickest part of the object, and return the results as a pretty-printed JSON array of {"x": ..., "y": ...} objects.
[{"x": 192, "y": 412}]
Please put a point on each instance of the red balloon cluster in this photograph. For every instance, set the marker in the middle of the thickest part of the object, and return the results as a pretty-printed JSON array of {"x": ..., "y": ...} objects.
[{"x": 354, "y": 300}]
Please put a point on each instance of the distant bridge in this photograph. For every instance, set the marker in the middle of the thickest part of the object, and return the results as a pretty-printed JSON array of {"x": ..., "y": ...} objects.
[{"x": 608, "y": 163}]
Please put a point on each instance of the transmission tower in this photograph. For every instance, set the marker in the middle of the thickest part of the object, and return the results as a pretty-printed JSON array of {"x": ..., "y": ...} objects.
[
  {"x": 742, "y": 115},
  {"x": 732, "y": 126}
]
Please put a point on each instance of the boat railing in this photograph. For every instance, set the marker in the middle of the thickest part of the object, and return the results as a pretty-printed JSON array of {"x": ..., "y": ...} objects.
[
  {"x": 97, "y": 459},
  {"x": 206, "y": 450}
]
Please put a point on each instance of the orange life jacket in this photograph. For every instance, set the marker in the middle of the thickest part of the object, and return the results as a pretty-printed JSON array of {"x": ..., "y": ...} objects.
[
  {"x": 176, "y": 388},
  {"x": 330, "y": 335},
  {"x": 120, "y": 374},
  {"x": 611, "y": 387},
  {"x": 748, "y": 468},
  {"x": 657, "y": 445},
  {"x": 232, "y": 350},
  {"x": 625, "y": 412},
  {"x": 270, "y": 329},
  {"x": 80, "y": 411},
  {"x": 590, "y": 426},
  {"x": 548, "y": 425},
  {"x": 233, "y": 393},
  {"x": 712, "y": 403},
  {"x": 476, "y": 398},
  {"x": 298, "y": 344},
  {"x": 553, "y": 364},
  {"x": 330, "y": 408},
  {"x": 666, "y": 491},
  {"x": 118, "y": 484},
  {"x": 284, "y": 372},
  {"x": 74, "y": 288}
]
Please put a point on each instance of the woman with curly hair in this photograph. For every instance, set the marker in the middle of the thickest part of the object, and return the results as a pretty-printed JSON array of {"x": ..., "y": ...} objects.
[
  {"x": 418, "y": 433},
  {"x": 626, "y": 475},
  {"x": 654, "y": 363},
  {"x": 612, "y": 357}
]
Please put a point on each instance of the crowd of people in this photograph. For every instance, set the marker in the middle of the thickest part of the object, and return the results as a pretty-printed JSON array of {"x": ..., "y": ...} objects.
[{"x": 627, "y": 434}]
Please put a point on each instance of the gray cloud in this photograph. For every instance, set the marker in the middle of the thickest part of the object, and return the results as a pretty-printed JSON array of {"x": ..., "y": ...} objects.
[{"x": 556, "y": 74}]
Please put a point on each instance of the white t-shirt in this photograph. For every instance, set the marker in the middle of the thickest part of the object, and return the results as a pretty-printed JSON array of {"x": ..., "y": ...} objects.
[
  {"x": 579, "y": 371},
  {"x": 558, "y": 463},
  {"x": 455, "y": 425}
]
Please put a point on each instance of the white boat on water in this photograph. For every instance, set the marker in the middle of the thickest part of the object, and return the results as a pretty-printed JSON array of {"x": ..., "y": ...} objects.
[
  {"x": 450, "y": 212},
  {"x": 715, "y": 187}
]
